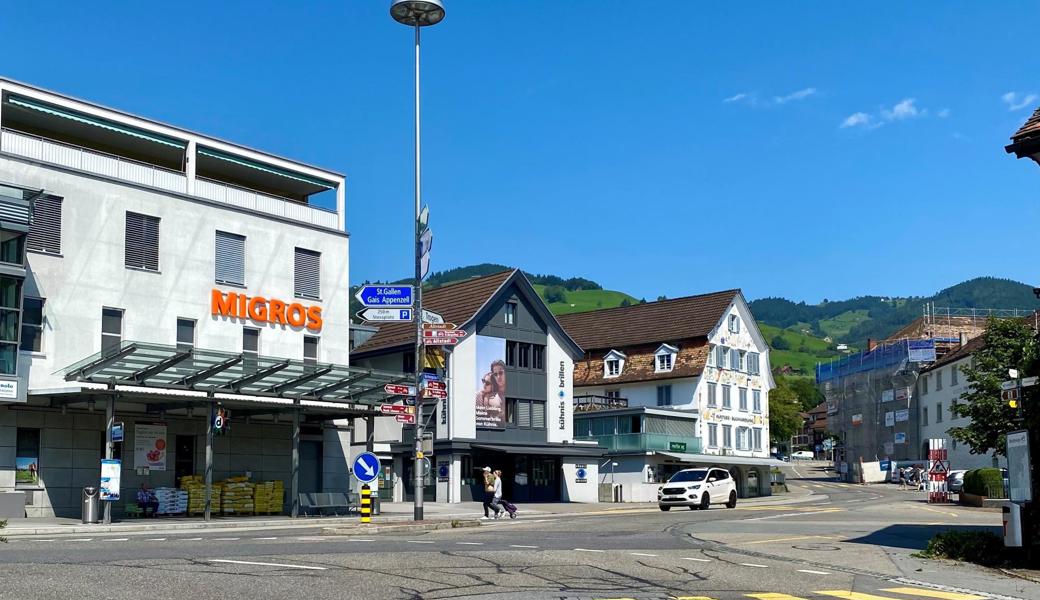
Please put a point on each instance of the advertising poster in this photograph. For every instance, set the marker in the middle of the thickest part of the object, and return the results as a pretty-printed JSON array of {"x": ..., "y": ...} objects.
[
  {"x": 26, "y": 470},
  {"x": 921, "y": 350},
  {"x": 150, "y": 446},
  {"x": 491, "y": 382},
  {"x": 902, "y": 394},
  {"x": 902, "y": 415},
  {"x": 857, "y": 420},
  {"x": 890, "y": 419},
  {"x": 110, "y": 471},
  {"x": 888, "y": 395},
  {"x": 900, "y": 438}
]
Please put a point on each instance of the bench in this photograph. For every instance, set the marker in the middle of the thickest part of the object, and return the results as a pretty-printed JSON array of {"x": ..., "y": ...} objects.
[{"x": 320, "y": 502}]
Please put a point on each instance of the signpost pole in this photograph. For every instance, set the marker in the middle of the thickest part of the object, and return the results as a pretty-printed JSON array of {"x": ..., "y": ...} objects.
[
  {"x": 110, "y": 418},
  {"x": 209, "y": 459},
  {"x": 418, "y": 301}
]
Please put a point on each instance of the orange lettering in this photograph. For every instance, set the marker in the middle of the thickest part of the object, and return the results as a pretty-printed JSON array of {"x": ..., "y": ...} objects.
[
  {"x": 296, "y": 314},
  {"x": 277, "y": 311},
  {"x": 258, "y": 308},
  {"x": 314, "y": 318},
  {"x": 223, "y": 304},
  {"x": 243, "y": 303}
]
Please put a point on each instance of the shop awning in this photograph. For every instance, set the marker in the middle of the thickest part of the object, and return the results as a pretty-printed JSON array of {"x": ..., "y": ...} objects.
[
  {"x": 229, "y": 375},
  {"x": 713, "y": 459},
  {"x": 95, "y": 121},
  {"x": 567, "y": 450}
]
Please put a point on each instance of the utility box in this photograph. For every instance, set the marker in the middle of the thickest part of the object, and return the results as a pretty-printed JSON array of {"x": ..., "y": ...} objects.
[{"x": 1012, "y": 514}]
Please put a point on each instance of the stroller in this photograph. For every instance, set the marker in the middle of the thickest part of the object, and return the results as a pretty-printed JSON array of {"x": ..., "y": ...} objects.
[{"x": 508, "y": 506}]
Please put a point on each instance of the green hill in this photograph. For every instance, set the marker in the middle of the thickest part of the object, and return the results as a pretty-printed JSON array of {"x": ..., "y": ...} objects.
[
  {"x": 585, "y": 300},
  {"x": 794, "y": 349}
]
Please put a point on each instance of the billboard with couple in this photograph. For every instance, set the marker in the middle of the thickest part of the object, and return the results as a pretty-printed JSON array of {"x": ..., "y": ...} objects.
[{"x": 491, "y": 382}]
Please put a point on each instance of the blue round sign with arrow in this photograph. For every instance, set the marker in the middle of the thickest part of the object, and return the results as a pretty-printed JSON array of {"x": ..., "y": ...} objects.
[{"x": 366, "y": 467}]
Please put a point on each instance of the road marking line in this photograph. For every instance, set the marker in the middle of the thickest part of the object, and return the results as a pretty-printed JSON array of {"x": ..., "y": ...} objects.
[
  {"x": 519, "y": 546},
  {"x": 773, "y": 596},
  {"x": 81, "y": 540},
  {"x": 755, "y": 565},
  {"x": 156, "y": 540},
  {"x": 312, "y": 538},
  {"x": 470, "y": 543},
  {"x": 641, "y": 554},
  {"x": 39, "y": 540},
  {"x": 263, "y": 564},
  {"x": 813, "y": 572},
  {"x": 847, "y": 595},
  {"x": 223, "y": 539},
  {"x": 188, "y": 539},
  {"x": 692, "y": 598},
  {"x": 932, "y": 593},
  {"x": 115, "y": 540},
  {"x": 418, "y": 542},
  {"x": 697, "y": 559},
  {"x": 789, "y": 539},
  {"x": 587, "y": 550},
  {"x": 358, "y": 540},
  {"x": 785, "y": 515},
  {"x": 941, "y": 512},
  {"x": 266, "y": 538}
]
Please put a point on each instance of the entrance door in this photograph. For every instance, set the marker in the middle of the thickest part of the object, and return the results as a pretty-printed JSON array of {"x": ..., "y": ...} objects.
[
  {"x": 184, "y": 457},
  {"x": 544, "y": 482},
  {"x": 310, "y": 466}
]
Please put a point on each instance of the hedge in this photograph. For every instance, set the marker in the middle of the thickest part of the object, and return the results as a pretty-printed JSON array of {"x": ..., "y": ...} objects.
[{"x": 984, "y": 482}]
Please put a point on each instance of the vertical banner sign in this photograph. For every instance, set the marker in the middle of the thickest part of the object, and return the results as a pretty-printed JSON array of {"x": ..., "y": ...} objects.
[
  {"x": 150, "y": 446},
  {"x": 1020, "y": 484},
  {"x": 110, "y": 471},
  {"x": 938, "y": 469},
  {"x": 491, "y": 382}
]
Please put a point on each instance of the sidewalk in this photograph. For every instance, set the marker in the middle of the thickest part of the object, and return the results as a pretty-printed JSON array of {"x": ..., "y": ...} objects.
[{"x": 390, "y": 512}]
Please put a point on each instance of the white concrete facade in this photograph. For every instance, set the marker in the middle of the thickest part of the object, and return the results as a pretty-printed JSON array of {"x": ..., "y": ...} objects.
[{"x": 937, "y": 391}]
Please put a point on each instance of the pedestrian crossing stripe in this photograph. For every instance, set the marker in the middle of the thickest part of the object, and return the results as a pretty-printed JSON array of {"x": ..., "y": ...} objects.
[
  {"x": 773, "y": 596},
  {"x": 847, "y": 595},
  {"x": 933, "y": 594}
]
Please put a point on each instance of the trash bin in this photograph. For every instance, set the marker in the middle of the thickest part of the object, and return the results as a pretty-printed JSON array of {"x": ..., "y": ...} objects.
[
  {"x": 91, "y": 505},
  {"x": 375, "y": 504}
]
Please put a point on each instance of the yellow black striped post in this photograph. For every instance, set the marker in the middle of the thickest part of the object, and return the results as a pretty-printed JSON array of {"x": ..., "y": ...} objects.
[{"x": 366, "y": 504}]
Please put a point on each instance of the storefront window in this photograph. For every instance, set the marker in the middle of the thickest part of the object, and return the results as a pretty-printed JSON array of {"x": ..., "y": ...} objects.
[
  {"x": 32, "y": 324},
  {"x": 12, "y": 247},
  {"x": 27, "y": 457},
  {"x": 10, "y": 299}
]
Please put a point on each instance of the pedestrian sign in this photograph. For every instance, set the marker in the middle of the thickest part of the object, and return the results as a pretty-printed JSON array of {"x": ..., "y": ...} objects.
[
  {"x": 939, "y": 468},
  {"x": 366, "y": 467}
]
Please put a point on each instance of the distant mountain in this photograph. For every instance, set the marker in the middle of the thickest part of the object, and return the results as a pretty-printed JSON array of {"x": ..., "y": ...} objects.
[{"x": 854, "y": 321}]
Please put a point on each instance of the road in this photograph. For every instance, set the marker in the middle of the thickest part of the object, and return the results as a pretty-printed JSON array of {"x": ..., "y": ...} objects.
[{"x": 847, "y": 543}]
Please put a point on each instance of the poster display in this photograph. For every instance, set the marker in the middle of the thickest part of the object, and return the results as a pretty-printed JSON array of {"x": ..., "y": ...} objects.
[
  {"x": 888, "y": 395},
  {"x": 900, "y": 438},
  {"x": 857, "y": 420},
  {"x": 1019, "y": 482},
  {"x": 150, "y": 446},
  {"x": 890, "y": 419},
  {"x": 902, "y": 415},
  {"x": 491, "y": 382},
  {"x": 902, "y": 394},
  {"x": 110, "y": 472}
]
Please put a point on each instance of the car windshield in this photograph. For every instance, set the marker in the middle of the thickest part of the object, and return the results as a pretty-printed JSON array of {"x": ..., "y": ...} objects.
[{"x": 682, "y": 476}]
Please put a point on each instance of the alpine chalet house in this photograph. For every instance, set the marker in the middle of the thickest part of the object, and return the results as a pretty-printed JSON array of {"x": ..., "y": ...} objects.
[{"x": 670, "y": 385}]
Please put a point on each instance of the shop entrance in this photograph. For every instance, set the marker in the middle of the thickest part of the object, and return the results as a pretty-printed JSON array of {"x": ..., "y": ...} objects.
[
  {"x": 184, "y": 457},
  {"x": 310, "y": 466},
  {"x": 408, "y": 482},
  {"x": 525, "y": 477}
]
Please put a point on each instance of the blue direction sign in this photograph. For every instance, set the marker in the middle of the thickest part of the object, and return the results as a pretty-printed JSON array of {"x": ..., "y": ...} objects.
[
  {"x": 383, "y": 296},
  {"x": 366, "y": 467}
]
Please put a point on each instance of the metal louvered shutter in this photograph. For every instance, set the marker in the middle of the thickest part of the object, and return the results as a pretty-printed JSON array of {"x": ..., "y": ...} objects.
[
  {"x": 45, "y": 229},
  {"x": 538, "y": 415},
  {"x": 307, "y": 283},
  {"x": 142, "y": 241},
  {"x": 230, "y": 258}
]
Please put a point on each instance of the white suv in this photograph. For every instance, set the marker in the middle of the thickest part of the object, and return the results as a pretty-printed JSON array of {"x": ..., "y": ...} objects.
[{"x": 698, "y": 488}]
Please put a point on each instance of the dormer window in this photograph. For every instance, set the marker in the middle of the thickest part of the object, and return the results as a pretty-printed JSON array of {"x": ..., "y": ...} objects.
[
  {"x": 613, "y": 363},
  {"x": 734, "y": 324},
  {"x": 664, "y": 358}
]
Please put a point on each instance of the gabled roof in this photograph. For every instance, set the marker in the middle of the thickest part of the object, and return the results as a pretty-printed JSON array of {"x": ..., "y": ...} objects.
[
  {"x": 641, "y": 366},
  {"x": 1025, "y": 141},
  {"x": 461, "y": 303},
  {"x": 667, "y": 348},
  {"x": 653, "y": 322}
]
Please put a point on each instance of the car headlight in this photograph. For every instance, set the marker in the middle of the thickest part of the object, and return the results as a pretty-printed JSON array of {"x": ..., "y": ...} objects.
[{"x": 694, "y": 487}]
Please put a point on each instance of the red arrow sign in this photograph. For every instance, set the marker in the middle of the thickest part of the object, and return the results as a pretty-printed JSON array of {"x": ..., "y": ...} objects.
[
  {"x": 396, "y": 409},
  {"x": 436, "y": 385},
  {"x": 431, "y": 326},
  {"x": 441, "y": 394},
  {"x": 440, "y": 341},
  {"x": 445, "y": 333},
  {"x": 399, "y": 390},
  {"x": 410, "y": 419}
]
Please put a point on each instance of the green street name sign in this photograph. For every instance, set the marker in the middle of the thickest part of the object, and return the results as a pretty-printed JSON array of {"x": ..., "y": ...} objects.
[{"x": 677, "y": 446}]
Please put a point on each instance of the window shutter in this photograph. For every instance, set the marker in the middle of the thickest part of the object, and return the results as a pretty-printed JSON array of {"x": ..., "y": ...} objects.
[
  {"x": 308, "y": 274},
  {"x": 230, "y": 258},
  {"x": 45, "y": 229},
  {"x": 142, "y": 241},
  {"x": 523, "y": 413},
  {"x": 538, "y": 415}
]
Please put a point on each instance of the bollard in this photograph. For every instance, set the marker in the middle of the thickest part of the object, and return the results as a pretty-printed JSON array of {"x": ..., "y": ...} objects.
[{"x": 366, "y": 504}]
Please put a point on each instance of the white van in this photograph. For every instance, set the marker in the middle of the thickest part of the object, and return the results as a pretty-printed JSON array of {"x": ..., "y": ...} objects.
[{"x": 803, "y": 455}]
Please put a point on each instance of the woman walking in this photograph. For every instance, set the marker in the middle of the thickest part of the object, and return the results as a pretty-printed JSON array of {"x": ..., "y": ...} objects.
[{"x": 489, "y": 492}]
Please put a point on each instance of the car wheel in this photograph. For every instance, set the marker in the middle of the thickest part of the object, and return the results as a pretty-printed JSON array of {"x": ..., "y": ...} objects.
[
  {"x": 665, "y": 508},
  {"x": 705, "y": 501},
  {"x": 732, "y": 500}
]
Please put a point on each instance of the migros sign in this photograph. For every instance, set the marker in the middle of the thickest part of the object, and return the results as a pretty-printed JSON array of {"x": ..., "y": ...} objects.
[{"x": 265, "y": 310}]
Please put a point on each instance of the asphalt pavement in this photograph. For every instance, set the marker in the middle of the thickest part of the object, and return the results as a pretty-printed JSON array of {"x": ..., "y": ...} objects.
[{"x": 850, "y": 542}]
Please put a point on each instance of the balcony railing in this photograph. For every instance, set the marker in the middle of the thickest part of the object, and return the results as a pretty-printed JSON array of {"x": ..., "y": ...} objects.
[
  {"x": 647, "y": 442},
  {"x": 593, "y": 402},
  {"x": 140, "y": 173}
]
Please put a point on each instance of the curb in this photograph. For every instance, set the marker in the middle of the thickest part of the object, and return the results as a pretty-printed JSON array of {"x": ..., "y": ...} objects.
[{"x": 391, "y": 528}]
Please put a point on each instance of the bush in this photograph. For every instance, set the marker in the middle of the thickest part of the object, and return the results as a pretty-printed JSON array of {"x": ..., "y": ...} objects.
[
  {"x": 980, "y": 547},
  {"x": 984, "y": 482},
  {"x": 780, "y": 343},
  {"x": 555, "y": 294}
]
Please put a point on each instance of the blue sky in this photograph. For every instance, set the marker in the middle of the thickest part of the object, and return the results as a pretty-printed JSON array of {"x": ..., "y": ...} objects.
[{"x": 654, "y": 151}]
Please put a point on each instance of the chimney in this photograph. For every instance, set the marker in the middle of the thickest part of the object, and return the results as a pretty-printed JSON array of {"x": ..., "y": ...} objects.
[
  {"x": 871, "y": 344},
  {"x": 964, "y": 338}
]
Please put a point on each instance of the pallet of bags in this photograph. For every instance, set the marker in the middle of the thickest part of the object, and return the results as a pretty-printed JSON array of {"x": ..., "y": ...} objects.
[
  {"x": 237, "y": 496},
  {"x": 172, "y": 501},
  {"x": 196, "y": 490},
  {"x": 269, "y": 497}
]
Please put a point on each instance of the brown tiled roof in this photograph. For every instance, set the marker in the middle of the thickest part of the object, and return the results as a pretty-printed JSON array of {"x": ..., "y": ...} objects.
[
  {"x": 940, "y": 327},
  {"x": 639, "y": 364},
  {"x": 456, "y": 302},
  {"x": 653, "y": 322},
  {"x": 1029, "y": 129}
]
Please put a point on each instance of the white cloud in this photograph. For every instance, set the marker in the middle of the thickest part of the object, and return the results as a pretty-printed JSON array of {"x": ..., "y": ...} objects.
[
  {"x": 799, "y": 95},
  {"x": 737, "y": 97},
  {"x": 1016, "y": 102},
  {"x": 905, "y": 109},
  {"x": 860, "y": 119},
  {"x": 943, "y": 113}
]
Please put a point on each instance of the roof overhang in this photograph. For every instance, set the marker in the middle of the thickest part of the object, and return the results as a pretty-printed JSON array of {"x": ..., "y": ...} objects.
[
  {"x": 714, "y": 460},
  {"x": 566, "y": 450}
]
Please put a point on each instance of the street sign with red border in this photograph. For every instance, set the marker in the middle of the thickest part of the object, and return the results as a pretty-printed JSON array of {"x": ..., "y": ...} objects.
[
  {"x": 409, "y": 419},
  {"x": 396, "y": 409},
  {"x": 399, "y": 390},
  {"x": 436, "y": 326},
  {"x": 439, "y": 394}
]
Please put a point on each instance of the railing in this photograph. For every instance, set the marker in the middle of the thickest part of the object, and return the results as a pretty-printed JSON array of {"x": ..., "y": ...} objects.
[
  {"x": 593, "y": 402},
  {"x": 645, "y": 442},
  {"x": 125, "y": 169}
]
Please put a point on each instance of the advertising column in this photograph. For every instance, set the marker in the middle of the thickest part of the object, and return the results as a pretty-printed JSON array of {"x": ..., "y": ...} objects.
[{"x": 559, "y": 394}]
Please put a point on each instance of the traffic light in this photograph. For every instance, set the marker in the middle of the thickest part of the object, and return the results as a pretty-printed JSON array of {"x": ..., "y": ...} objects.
[{"x": 1013, "y": 399}]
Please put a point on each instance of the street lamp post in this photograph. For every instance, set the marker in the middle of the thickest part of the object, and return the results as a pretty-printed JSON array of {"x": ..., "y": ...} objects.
[{"x": 417, "y": 14}]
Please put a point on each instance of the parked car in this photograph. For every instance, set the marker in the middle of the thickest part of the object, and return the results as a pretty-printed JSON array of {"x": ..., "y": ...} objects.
[
  {"x": 803, "y": 455},
  {"x": 780, "y": 456},
  {"x": 955, "y": 481},
  {"x": 698, "y": 488}
]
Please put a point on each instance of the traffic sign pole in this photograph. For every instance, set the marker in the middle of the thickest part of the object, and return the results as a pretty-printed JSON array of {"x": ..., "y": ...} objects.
[{"x": 366, "y": 504}]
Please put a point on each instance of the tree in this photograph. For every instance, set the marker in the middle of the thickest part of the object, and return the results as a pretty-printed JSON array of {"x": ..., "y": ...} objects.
[
  {"x": 662, "y": 298},
  {"x": 809, "y": 396},
  {"x": 1008, "y": 344},
  {"x": 555, "y": 294},
  {"x": 625, "y": 302},
  {"x": 780, "y": 343},
  {"x": 784, "y": 420}
]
